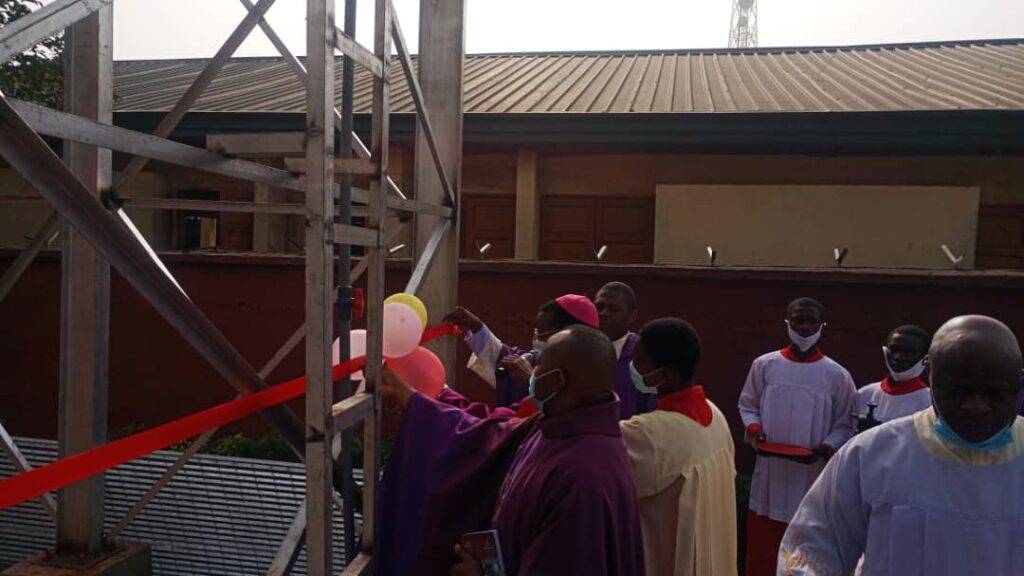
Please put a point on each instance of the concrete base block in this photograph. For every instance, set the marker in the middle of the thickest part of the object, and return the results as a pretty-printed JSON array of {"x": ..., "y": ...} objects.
[{"x": 124, "y": 559}]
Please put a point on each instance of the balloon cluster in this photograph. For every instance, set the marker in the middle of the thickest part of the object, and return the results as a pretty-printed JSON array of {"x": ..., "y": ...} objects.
[{"x": 405, "y": 318}]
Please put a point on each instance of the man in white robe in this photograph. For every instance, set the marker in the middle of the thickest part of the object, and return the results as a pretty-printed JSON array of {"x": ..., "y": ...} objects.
[
  {"x": 795, "y": 396},
  {"x": 904, "y": 391},
  {"x": 937, "y": 493}
]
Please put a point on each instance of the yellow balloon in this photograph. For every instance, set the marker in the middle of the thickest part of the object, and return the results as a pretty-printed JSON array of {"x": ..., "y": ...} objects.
[{"x": 412, "y": 302}]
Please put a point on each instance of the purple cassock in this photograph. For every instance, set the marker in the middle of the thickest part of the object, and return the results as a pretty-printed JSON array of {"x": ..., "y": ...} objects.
[
  {"x": 568, "y": 503},
  {"x": 631, "y": 400},
  {"x": 509, "y": 391}
]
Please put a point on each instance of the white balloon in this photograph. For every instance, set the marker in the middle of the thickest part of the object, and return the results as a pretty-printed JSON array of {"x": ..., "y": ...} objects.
[
  {"x": 357, "y": 348},
  {"x": 403, "y": 330}
]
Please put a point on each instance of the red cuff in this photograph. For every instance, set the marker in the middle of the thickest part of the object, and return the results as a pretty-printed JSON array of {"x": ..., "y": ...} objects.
[
  {"x": 830, "y": 449},
  {"x": 754, "y": 429}
]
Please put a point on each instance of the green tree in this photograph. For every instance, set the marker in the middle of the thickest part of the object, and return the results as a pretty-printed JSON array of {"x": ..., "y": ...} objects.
[{"x": 36, "y": 74}]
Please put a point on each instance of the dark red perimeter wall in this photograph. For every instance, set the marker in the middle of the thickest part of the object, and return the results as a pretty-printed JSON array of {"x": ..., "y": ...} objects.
[{"x": 257, "y": 302}]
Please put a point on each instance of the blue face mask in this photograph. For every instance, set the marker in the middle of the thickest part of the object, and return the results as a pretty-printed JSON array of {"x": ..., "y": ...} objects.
[
  {"x": 539, "y": 402},
  {"x": 638, "y": 380},
  {"x": 1000, "y": 439}
]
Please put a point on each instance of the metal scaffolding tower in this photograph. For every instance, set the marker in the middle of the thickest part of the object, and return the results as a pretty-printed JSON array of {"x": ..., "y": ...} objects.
[
  {"x": 97, "y": 236},
  {"x": 743, "y": 24}
]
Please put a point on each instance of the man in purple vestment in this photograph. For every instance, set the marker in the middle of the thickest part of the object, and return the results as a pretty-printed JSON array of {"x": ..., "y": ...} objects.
[
  {"x": 507, "y": 368},
  {"x": 616, "y": 307},
  {"x": 557, "y": 486}
]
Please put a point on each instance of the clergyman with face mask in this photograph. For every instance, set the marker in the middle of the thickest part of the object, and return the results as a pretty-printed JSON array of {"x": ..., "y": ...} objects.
[
  {"x": 508, "y": 368},
  {"x": 903, "y": 391},
  {"x": 556, "y": 486},
  {"x": 939, "y": 492},
  {"x": 800, "y": 398}
]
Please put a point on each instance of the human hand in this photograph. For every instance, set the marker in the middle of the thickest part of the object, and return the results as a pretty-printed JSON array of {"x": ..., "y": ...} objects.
[
  {"x": 464, "y": 319},
  {"x": 518, "y": 368},
  {"x": 756, "y": 435},
  {"x": 393, "y": 387},
  {"x": 466, "y": 566}
]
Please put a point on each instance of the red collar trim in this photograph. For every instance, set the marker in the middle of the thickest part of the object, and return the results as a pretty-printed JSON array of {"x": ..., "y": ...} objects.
[
  {"x": 901, "y": 388},
  {"x": 690, "y": 402},
  {"x": 788, "y": 355}
]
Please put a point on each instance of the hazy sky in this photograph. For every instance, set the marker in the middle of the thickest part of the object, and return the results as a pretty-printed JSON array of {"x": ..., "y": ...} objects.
[{"x": 196, "y": 28}]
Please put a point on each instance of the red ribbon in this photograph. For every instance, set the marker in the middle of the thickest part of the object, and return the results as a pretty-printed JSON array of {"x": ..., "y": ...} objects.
[
  {"x": 435, "y": 332},
  {"x": 39, "y": 481}
]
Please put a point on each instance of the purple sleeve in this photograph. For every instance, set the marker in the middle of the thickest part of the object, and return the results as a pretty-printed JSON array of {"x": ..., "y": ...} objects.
[
  {"x": 477, "y": 409},
  {"x": 442, "y": 458},
  {"x": 477, "y": 340}
]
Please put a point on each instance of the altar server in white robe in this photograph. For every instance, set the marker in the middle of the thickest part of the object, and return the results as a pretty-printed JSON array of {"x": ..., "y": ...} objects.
[
  {"x": 794, "y": 396},
  {"x": 937, "y": 493},
  {"x": 903, "y": 391}
]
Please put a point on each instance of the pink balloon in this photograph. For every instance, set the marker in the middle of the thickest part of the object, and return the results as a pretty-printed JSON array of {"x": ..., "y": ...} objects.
[
  {"x": 421, "y": 369},
  {"x": 403, "y": 329},
  {"x": 357, "y": 348}
]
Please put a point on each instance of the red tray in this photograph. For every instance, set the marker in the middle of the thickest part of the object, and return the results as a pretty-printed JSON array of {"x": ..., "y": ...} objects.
[{"x": 787, "y": 451}]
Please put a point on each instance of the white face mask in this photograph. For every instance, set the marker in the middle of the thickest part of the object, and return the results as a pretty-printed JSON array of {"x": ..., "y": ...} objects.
[
  {"x": 804, "y": 343},
  {"x": 908, "y": 374}
]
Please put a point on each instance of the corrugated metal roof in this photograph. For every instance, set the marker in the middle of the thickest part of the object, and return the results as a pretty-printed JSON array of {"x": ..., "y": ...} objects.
[
  {"x": 218, "y": 516},
  {"x": 974, "y": 75}
]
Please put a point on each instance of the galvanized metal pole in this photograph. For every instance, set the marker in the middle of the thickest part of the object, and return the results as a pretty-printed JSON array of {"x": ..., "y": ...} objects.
[
  {"x": 85, "y": 290},
  {"x": 344, "y": 306},
  {"x": 319, "y": 284},
  {"x": 442, "y": 45}
]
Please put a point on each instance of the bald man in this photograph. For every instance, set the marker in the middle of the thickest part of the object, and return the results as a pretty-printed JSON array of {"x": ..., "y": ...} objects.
[
  {"x": 556, "y": 486},
  {"x": 964, "y": 511}
]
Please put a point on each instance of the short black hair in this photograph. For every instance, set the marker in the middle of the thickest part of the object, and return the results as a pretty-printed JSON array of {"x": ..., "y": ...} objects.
[
  {"x": 559, "y": 317},
  {"x": 915, "y": 331},
  {"x": 624, "y": 289},
  {"x": 672, "y": 342},
  {"x": 805, "y": 302}
]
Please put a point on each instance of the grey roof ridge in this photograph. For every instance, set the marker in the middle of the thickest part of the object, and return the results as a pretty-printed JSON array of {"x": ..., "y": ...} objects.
[{"x": 678, "y": 51}]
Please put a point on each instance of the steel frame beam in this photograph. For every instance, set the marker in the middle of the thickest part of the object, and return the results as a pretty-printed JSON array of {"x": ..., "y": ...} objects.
[
  {"x": 115, "y": 238},
  {"x": 427, "y": 258},
  {"x": 70, "y": 127},
  {"x": 440, "y": 75},
  {"x": 303, "y": 77},
  {"x": 34, "y": 160},
  {"x": 320, "y": 230},
  {"x": 171, "y": 120},
  {"x": 422, "y": 115},
  {"x": 348, "y": 46},
  {"x": 198, "y": 444},
  {"x": 85, "y": 289},
  {"x": 376, "y": 257},
  {"x": 288, "y": 552},
  {"x": 10, "y": 448},
  {"x": 212, "y": 205},
  {"x": 26, "y": 32}
]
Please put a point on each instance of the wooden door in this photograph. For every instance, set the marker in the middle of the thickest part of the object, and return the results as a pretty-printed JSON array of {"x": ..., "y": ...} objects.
[
  {"x": 488, "y": 220},
  {"x": 573, "y": 228}
]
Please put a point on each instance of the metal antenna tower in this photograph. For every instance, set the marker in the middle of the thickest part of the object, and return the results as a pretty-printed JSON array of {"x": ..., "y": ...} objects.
[{"x": 743, "y": 24}]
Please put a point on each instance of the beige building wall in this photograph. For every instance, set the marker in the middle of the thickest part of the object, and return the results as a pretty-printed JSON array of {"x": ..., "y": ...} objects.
[
  {"x": 882, "y": 226},
  {"x": 21, "y": 219},
  {"x": 1000, "y": 180}
]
